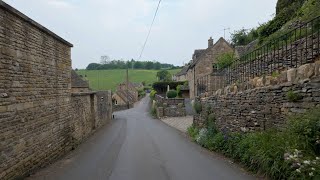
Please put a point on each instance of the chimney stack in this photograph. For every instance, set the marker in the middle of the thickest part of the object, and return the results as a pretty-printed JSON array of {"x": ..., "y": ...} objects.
[{"x": 210, "y": 42}]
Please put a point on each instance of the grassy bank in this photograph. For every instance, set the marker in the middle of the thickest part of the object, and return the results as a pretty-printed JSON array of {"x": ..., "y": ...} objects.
[
  {"x": 288, "y": 154},
  {"x": 109, "y": 79}
]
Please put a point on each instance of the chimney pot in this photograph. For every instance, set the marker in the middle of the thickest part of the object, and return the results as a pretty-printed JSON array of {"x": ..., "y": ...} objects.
[{"x": 210, "y": 42}]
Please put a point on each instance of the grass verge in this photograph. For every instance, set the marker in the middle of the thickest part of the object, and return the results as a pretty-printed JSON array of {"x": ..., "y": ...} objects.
[{"x": 288, "y": 154}]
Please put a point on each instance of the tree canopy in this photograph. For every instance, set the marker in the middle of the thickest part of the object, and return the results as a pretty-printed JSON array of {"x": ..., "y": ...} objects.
[
  {"x": 164, "y": 75},
  {"x": 121, "y": 64}
]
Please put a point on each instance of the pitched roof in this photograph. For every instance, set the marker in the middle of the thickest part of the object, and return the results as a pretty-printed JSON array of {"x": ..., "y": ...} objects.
[
  {"x": 183, "y": 71},
  {"x": 132, "y": 85},
  {"x": 125, "y": 96},
  {"x": 197, "y": 53},
  {"x": 77, "y": 81},
  {"x": 202, "y": 52}
]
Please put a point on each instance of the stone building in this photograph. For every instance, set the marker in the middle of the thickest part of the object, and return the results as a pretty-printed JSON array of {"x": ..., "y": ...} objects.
[
  {"x": 203, "y": 60},
  {"x": 78, "y": 84},
  {"x": 182, "y": 75},
  {"x": 41, "y": 118},
  {"x": 121, "y": 97},
  {"x": 132, "y": 88}
]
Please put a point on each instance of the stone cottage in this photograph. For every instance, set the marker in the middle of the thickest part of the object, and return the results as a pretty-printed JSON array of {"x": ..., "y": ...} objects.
[
  {"x": 203, "y": 60},
  {"x": 182, "y": 75},
  {"x": 121, "y": 97},
  {"x": 132, "y": 88}
]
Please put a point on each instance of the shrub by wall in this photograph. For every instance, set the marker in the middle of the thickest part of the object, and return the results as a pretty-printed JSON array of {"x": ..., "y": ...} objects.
[
  {"x": 172, "y": 94},
  {"x": 288, "y": 154},
  {"x": 163, "y": 86}
]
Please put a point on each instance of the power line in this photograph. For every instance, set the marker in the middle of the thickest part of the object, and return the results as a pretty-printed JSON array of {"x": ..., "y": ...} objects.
[{"x": 144, "y": 45}]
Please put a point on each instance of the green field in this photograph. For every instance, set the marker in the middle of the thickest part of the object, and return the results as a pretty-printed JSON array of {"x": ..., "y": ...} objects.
[{"x": 109, "y": 79}]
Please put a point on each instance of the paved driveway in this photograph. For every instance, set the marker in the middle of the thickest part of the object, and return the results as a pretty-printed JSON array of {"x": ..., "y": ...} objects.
[{"x": 137, "y": 147}]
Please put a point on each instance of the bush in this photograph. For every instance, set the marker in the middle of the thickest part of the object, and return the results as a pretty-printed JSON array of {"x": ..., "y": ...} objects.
[
  {"x": 179, "y": 90},
  {"x": 153, "y": 94},
  {"x": 193, "y": 131},
  {"x": 153, "y": 111},
  {"x": 243, "y": 37},
  {"x": 163, "y": 86},
  {"x": 172, "y": 94},
  {"x": 293, "y": 96},
  {"x": 288, "y": 154},
  {"x": 197, "y": 106},
  {"x": 141, "y": 92},
  {"x": 224, "y": 60}
]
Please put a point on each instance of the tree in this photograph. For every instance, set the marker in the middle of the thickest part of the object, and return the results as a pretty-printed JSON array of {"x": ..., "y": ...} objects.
[
  {"x": 105, "y": 59},
  {"x": 157, "y": 66},
  {"x": 149, "y": 65},
  {"x": 164, "y": 75},
  {"x": 138, "y": 65},
  {"x": 243, "y": 37},
  {"x": 93, "y": 66},
  {"x": 224, "y": 60}
]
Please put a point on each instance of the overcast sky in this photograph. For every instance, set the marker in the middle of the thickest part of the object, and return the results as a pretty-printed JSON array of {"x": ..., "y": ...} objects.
[{"x": 118, "y": 28}]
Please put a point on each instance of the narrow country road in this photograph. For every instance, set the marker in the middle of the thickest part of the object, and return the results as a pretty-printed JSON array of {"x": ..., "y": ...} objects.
[{"x": 136, "y": 147}]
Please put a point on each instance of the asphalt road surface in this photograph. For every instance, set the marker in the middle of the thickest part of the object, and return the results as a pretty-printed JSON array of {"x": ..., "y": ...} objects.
[{"x": 136, "y": 147}]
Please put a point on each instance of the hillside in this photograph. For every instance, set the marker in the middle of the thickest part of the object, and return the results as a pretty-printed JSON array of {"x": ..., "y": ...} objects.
[
  {"x": 289, "y": 14},
  {"x": 109, "y": 79}
]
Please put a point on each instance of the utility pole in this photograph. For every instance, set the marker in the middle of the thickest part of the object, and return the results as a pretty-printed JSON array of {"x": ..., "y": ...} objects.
[
  {"x": 132, "y": 63},
  {"x": 127, "y": 85}
]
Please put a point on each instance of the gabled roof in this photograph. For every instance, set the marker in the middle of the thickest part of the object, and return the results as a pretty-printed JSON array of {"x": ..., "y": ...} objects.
[
  {"x": 132, "y": 85},
  {"x": 125, "y": 96},
  {"x": 198, "y": 57}
]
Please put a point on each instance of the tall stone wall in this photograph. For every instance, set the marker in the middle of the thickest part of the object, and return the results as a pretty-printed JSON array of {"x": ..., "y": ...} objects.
[
  {"x": 268, "y": 104},
  {"x": 39, "y": 119},
  {"x": 104, "y": 108},
  {"x": 35, "y": 94},
  {"x": 89, "y": 112},
  {"x": 83, "y": 116}
]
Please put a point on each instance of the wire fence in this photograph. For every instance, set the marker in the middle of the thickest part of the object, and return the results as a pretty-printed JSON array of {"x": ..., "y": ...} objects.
[{"x": 299, "y": 46}]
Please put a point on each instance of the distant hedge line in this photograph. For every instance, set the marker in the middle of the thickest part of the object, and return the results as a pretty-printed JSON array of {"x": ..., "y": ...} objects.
[{"x": 120, "y": 64}]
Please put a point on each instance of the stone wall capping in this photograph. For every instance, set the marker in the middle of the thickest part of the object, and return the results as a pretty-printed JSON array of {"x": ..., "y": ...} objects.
[{"x": 14, "y": 11}]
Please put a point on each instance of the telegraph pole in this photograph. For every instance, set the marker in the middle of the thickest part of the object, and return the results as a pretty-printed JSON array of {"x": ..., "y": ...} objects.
[{"x": 127, "y": 85}]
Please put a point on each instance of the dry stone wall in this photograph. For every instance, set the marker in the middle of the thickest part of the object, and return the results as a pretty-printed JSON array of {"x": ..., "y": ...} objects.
[
  {"x": 169, "y": 107},
  {"x": 268, "y": 104},
  {"x": 39, "y": 119}
]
